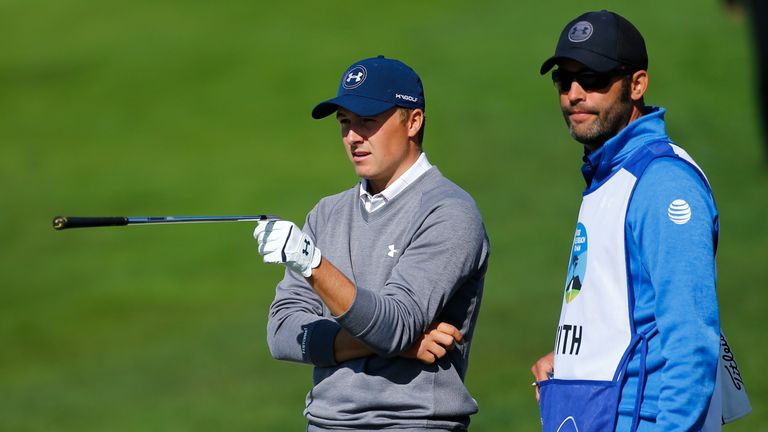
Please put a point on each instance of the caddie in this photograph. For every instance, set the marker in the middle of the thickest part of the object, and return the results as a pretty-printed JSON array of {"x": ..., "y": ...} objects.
[{"x": 638, "y": 340}]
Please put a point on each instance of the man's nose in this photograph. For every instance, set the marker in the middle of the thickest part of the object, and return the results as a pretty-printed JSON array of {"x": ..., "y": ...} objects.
[
  {"x": 352, "y": 135},
  {"x": 576, "y": 93}
]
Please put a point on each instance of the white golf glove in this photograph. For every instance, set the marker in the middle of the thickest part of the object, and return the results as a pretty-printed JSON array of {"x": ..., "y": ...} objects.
[{"x": 282, "y": 242}]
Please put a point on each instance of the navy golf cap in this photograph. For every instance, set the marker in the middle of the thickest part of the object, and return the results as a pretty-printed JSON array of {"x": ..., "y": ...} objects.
[
  {"x": 602, "y": 41},
  {"x": 374, "y": 85}
]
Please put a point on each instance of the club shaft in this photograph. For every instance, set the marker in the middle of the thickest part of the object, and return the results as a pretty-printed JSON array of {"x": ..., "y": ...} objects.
[{"x": 66, "y": 222}]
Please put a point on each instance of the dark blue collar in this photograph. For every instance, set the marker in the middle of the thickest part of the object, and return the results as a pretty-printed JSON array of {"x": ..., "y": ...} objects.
[{"x": 601, "y": 163}]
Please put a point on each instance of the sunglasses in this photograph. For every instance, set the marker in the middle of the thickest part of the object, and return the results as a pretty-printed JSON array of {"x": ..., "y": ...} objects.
[{"x": 589, "y": 80}]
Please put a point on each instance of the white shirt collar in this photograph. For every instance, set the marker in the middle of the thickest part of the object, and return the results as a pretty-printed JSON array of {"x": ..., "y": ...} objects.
[{"x": 375, "y": 202}]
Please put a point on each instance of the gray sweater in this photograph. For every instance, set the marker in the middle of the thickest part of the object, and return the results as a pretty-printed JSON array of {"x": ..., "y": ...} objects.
[{"x": 420, "y": 258}]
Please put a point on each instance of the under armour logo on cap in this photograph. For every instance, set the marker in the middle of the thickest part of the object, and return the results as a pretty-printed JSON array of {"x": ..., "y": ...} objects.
[
  {"x": 354, "y": 77},
  {"x": 580, "y": 31},
  {"x": 357, "y": 77}
]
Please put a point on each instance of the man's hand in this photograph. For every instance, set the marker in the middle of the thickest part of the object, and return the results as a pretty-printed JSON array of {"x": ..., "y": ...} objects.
[
  {"x": 282, "y": 242},
  {"x": 434, "y": 343},
  {"x": 542, "y": 369}
]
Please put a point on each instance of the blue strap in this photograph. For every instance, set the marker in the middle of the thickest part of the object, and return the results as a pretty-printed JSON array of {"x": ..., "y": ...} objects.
[{"x": 641, "y": 377}]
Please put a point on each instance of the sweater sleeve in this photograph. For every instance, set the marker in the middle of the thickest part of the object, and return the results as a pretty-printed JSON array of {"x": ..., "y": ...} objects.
[
  {"x": 296, "y": 329},
  {"x": 449, "y": 247},
  {"x": 673, "y": 221}
]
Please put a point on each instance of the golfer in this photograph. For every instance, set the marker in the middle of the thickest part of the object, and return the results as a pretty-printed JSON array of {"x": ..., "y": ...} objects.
[{"x": 386, "y": 311}]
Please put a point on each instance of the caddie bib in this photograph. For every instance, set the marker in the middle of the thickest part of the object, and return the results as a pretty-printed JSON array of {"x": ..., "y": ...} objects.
[{"x": 596, "y": 335}]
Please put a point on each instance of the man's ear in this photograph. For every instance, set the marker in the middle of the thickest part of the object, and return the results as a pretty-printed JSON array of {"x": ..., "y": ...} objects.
[
  {"x": 415, "y": 120},
  {"x": 638, "y": 85}
]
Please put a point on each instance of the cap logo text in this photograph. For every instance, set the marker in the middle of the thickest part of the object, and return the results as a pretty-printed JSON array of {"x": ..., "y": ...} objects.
[
  {"x": 406, "y": 97},
  {"x": 580, "y": 31},
  {"x": 354, "y": 77}
]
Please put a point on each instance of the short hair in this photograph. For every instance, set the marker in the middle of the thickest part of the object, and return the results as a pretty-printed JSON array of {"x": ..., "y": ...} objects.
[{"x": 626, "y": 87}]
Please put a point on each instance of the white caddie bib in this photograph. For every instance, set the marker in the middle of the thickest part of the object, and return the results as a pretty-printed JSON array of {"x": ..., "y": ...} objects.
[
  {"x": 595, "y": 334},
  {"x": 594, "y": 329}
]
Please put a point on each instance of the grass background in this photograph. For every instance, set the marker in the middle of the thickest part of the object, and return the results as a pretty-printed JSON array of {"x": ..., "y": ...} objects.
[{"x": 194, "y": 107}]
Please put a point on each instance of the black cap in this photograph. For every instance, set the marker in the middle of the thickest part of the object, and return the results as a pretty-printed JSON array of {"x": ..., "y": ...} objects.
[{"x": 601, "y": 41}]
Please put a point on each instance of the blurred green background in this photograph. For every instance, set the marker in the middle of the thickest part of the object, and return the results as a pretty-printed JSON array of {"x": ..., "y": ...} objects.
[{"x": 196, "y": 107}]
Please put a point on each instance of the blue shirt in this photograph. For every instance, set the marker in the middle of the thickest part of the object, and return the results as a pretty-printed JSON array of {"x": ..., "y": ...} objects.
[{"x": 672, "y": 271}]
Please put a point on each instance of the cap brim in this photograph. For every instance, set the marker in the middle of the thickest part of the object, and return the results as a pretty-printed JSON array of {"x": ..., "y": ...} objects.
[
  {"x": 591, "y": 60},
  {"x": 358, "y": 105}
]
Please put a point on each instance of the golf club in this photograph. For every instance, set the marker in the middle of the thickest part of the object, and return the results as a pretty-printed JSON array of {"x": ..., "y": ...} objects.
[{"x": 66, "y": 222}]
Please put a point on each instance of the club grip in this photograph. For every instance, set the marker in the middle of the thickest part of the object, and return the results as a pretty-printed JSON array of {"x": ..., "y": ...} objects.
[{"x": 65, "y": 222}]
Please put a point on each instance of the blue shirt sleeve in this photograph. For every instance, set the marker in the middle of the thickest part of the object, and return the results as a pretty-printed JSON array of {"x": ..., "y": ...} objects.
[{"x": 672, "y": 224}]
